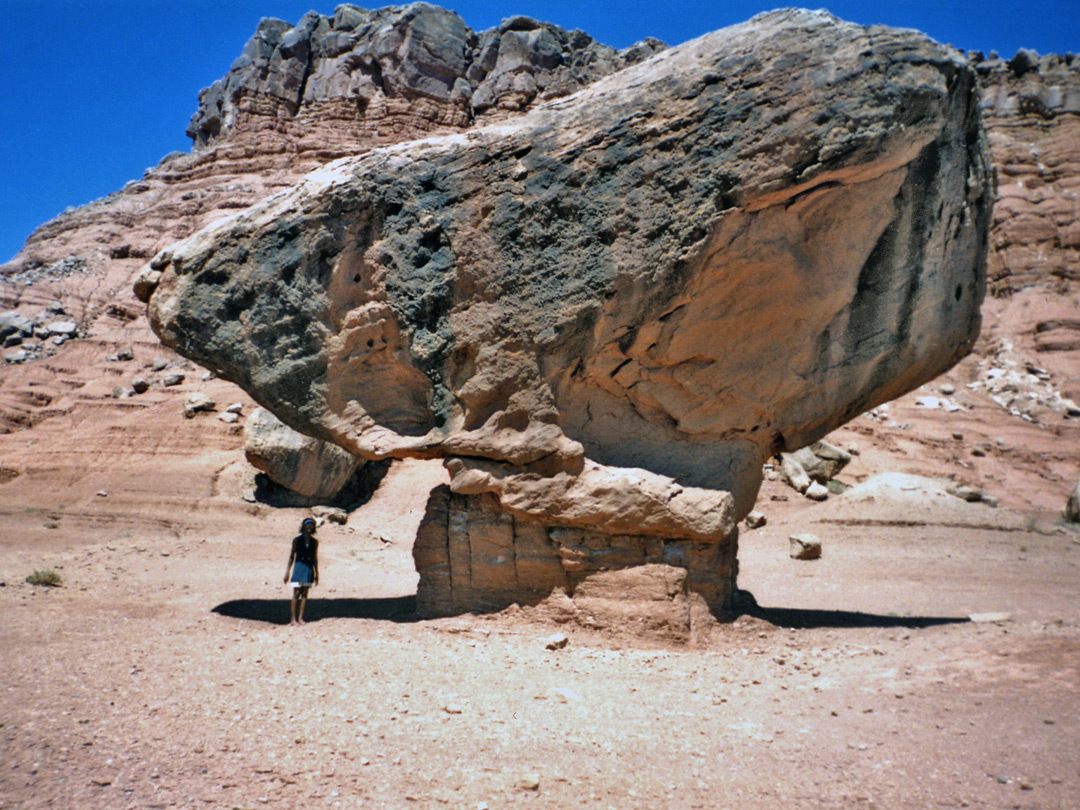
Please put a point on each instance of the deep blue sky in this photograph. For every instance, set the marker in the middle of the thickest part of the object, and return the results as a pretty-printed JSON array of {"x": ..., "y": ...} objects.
[{"x": 95, "y": 91}]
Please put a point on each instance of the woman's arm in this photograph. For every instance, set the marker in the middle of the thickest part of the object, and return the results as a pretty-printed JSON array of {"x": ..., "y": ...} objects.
[
  {"x": 315, "y": 563},
  {"x": 288, "y": 565}
]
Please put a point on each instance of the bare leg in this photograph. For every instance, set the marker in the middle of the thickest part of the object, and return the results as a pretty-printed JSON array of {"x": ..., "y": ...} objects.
[
  {"x": 292, "y": 606},
  {"x": 303, "y": 604}
]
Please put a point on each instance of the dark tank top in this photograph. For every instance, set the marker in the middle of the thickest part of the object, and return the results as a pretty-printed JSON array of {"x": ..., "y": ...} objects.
[{"x": 305, "y": 549}]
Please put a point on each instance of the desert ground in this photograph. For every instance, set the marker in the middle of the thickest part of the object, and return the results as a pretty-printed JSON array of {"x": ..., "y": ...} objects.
[{"x": 929, "y": 658}]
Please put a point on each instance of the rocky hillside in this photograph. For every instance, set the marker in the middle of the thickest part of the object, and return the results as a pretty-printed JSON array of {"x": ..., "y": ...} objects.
[{"x": 330, "y": 86}]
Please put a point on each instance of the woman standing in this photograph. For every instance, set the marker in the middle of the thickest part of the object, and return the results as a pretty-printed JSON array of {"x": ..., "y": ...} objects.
[{"x": 304, "y": 564}]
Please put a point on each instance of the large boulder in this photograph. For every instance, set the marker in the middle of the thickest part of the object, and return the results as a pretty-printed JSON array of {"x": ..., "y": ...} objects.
[
  {"x": 608, "y": 312},
  {"x": 309, "y": 467}
]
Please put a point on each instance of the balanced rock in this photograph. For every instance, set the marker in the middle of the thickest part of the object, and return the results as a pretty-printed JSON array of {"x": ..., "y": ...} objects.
[
  {"x": 306, "y": 466},
  {"x": 607, "y": 313}
]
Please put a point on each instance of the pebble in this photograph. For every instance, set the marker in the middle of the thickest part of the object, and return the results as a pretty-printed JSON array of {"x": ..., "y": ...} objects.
[
  {"x": 530, "y": 781},
  {"x": 556, "y": 641},
  {"x": 565, "y": 695},
  {"x": 756, "y": 519},
  {"x": 804, "y": 546}
]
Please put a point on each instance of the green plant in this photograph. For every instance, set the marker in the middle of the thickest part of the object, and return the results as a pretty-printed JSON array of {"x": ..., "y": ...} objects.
[{"x": 50, "y": 578}]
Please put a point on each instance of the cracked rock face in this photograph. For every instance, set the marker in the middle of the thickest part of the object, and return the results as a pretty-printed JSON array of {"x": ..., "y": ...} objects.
[
  {"x": 607, "y": 312},
  {"x": 368, "y": 73}
]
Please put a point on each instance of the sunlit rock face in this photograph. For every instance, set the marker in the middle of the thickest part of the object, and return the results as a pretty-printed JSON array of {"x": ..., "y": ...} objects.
[{"x": 606, "y": 313}]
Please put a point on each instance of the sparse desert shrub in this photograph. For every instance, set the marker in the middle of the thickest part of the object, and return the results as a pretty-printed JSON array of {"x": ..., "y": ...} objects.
[{"x": 50, "y": 578}]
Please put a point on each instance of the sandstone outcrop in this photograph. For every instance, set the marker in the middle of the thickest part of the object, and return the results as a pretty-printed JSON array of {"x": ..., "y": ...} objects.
[
  {"x": 606, "y": 313},
  {"x": 306, "y": 466},
  {"x": 363, "y": 77},
  {"x": 1031, "y": 105}
]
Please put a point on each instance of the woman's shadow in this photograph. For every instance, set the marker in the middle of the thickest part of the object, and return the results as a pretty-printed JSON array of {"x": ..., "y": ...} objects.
[{"x": 276, "y": 611}]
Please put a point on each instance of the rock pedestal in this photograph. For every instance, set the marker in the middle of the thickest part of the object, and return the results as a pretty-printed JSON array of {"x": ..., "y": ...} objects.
[{"x": 474, "y": 556}]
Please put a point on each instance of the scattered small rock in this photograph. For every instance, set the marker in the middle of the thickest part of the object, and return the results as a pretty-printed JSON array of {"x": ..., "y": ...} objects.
[
  {"x": 159, "y": 364},
  {"x": 125, "y": 353},
  {"x": 1071, "y": 512},
  {"x": 964, "y": 492},
  {"x": 565, "y": 695},
  {"x": 959, "y": 437},
  {"x": 196, "y": 401},
  {"x": 530, "y": 781},
  {"x": 453, "y": 708},
  {"x": 101, "y": 493},
  {"x": 793, "y": 473},
  {"x": 229, "y": 418},
  {"x": 756, "y": 519},
  {"x": 236, "y": 407},
  {"x": 977, "y": 451},
  {"x": 804, "y": 546},
  {"x": 172, "y": 379},
  {"x": 329, "y": 514},
  {"x": 140, "y": 385},
  {"x": 817, "y": 492},
  {"x": 66, "y": 329},
  {"x": 556, "y": 641},
  {"x": 948, "y": 389}
]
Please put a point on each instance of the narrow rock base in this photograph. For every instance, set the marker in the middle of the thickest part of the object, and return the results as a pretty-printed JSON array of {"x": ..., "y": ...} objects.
[{"x": 472, "y": 556}]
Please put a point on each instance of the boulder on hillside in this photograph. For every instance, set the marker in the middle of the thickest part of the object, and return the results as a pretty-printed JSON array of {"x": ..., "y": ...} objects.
[
  {"x": 608, "y": 312},
  {"x": 309, "y": 467}
]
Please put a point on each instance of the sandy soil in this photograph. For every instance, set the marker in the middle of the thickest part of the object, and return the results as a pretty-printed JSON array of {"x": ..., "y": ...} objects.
[{"x": 163, "y": 674}]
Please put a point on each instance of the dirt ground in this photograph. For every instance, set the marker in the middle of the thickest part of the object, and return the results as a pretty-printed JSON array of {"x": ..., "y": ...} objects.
[{"x": 163, "y": 674}]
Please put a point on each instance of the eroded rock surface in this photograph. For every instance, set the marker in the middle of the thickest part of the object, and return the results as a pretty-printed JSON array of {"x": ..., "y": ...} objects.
[
  {"x": 306, "y": 466},
  {"x": 639, "y": 292}
]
